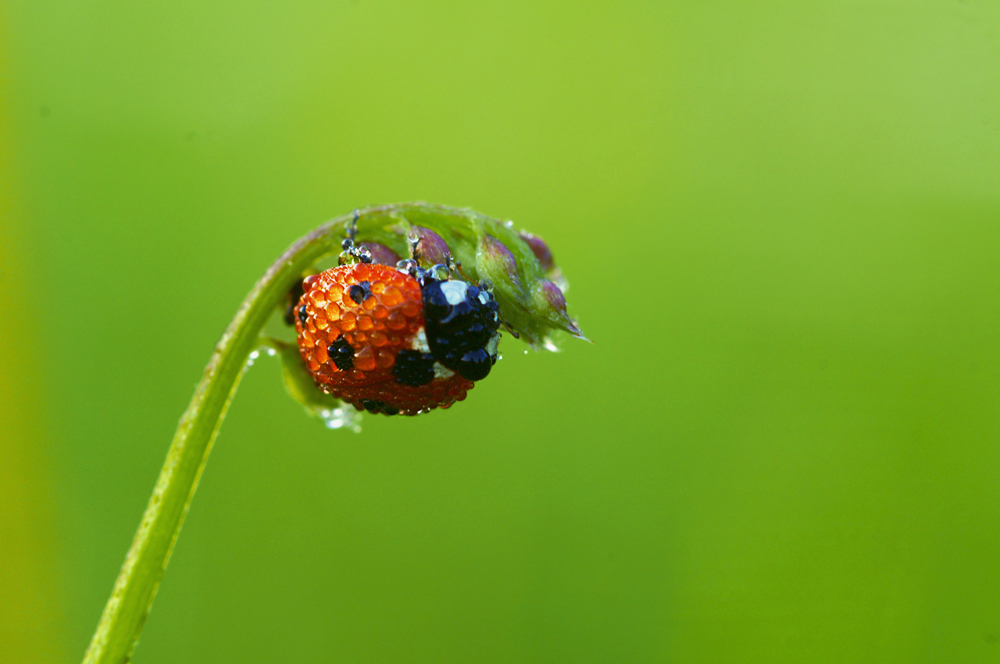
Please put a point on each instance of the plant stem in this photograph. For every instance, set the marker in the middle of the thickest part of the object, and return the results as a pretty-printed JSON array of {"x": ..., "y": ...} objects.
[
  {"x": 126, "y": 611},
  {"x": 465, "y": 230}
]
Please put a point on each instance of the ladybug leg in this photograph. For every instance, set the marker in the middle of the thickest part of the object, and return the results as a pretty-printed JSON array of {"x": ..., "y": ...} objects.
[
  {"x": 352, "y": 227},
  {"x": 353, "y": 252},
  {"x": 413, "y": 245},
  {"x": 454, "y": 265},
  {"x": 509, "y": 329}
]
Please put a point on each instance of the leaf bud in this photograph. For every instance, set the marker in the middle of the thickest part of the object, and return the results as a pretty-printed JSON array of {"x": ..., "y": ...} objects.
[
  {"x": 496, "y": 263},
  {"x": 541, "y": 250},
  {"x": 428, "y": 248}
]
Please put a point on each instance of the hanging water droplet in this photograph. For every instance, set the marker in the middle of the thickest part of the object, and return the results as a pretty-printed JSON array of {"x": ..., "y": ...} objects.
[
  {"x": 341, "y": 417},
  {"x": 271, "y": 352},
  {"x": 548, "y": 345}
]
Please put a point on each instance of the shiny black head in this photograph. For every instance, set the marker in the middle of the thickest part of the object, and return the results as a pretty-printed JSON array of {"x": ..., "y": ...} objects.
[{"x": 461, "y": 322}]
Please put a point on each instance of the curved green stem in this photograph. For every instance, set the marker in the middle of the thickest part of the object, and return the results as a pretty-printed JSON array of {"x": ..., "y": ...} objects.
[
  {"x": 471, "y": 236},
  {"x": 126, "y": 611}
]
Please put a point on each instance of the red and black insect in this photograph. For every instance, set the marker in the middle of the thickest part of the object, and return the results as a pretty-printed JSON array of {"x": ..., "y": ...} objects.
[{"x": 395, "y": 338}]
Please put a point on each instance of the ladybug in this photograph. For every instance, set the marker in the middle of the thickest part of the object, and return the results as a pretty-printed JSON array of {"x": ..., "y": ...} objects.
[{"x": 398, "y": 338}]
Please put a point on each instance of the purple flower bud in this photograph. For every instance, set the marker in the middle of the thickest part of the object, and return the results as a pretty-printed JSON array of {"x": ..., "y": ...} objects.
[
  {"x": 381, "y": 254},
  {"x": 499, "y": 262},
  {"x": 429, "y": 247},
  {"x": 550, "y": 299},
  {"x": 540, "y": 249}
]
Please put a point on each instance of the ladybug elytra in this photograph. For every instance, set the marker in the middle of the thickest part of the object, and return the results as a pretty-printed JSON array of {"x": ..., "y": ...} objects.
[{"x": 396, "y": 339}]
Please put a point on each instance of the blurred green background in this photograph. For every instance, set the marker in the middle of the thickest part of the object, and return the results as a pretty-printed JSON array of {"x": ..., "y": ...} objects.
[{"x": 781, "y": 226}]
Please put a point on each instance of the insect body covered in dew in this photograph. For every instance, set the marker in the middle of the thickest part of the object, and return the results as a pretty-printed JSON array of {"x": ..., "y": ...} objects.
[{"x": 396, "y": 339}]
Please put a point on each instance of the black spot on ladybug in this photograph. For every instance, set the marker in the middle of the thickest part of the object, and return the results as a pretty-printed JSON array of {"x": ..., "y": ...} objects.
[
  {"x": 341, "y": 354},
  {"x": 359, "y": 291},
  {"x": 476, "y": 364},
  {"x": 373, "y": 406},
  {"x": 461, "y": 323},
  {"x": 303, "y": 315},
  {"x": 413, "y": 368}
]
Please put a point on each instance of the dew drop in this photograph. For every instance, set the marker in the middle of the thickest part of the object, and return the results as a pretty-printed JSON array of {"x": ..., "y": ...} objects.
[
  {"x": 341, "y": 417},
  {"x": 255, "y": 354}
]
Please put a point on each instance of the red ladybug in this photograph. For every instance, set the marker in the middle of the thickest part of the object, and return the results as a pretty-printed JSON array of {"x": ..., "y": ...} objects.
[{"x": 396, "y": 339}]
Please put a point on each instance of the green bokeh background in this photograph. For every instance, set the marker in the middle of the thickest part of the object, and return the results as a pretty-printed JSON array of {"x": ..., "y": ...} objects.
[{"x": 781, "y": 224}]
